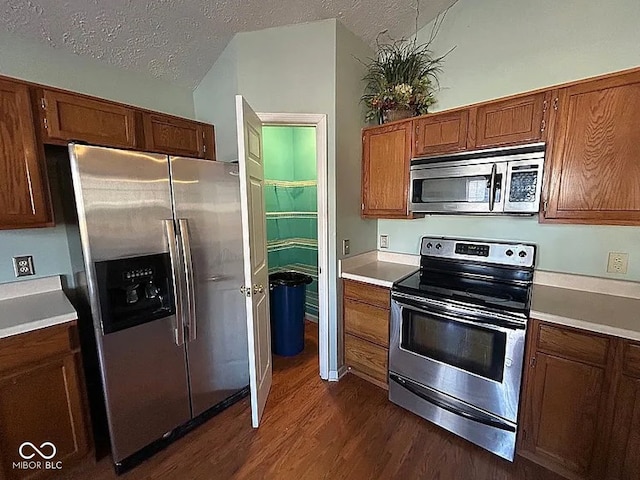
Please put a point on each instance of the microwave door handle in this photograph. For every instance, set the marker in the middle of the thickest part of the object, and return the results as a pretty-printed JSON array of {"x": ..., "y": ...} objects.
[{"x": 492, "y": 188}]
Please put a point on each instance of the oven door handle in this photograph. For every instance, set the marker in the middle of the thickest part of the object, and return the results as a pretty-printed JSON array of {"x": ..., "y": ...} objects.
[
  {"x": 499, "y": 325},
  {"x": 492, "y": 188},
  {"x": 451, "y": 405}
]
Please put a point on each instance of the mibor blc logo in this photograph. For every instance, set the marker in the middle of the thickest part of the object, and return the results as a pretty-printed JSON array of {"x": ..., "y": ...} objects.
[{"x": 37, "y": 458}]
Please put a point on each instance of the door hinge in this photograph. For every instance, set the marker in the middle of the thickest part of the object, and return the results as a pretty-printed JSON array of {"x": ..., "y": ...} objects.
[
  {"x": 543, "y": 125},
  {"x": 532, "y": 362},
  {"x": 555, "y": 103},
  {"x": 204, "y": 143},
  {"x": 46, "y": 124},
  {"x": 43, "y": 103}
]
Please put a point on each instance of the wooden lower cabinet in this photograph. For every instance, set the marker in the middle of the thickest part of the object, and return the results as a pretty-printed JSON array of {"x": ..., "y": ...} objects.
[
  {"x": 366, "y": 326},
  {"x": 580, "y": 414},
  {"x": 42, "y": 401}
]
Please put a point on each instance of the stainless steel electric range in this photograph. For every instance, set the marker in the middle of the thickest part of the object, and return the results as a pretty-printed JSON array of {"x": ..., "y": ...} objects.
[{"x": 457, "y": 341}]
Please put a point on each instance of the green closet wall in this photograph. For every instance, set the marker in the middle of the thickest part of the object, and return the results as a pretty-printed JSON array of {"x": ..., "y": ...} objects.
[{"x": 291, "y": 203}]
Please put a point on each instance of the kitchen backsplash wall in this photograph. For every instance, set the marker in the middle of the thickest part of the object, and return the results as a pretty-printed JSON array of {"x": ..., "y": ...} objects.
[
  {"x": 291, "y": 203},
  {"x": 509, "y": 46},
  {"x": 579, "y": 249}
]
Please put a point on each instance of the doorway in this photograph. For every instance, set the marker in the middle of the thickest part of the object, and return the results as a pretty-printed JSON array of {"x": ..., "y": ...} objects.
[{"x": 295, "y": 162}]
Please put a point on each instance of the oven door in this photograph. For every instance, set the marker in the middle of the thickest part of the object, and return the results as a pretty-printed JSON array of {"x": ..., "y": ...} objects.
[
  {"x": 474, "y": 188},
  {"x": 459, "y": 353}
]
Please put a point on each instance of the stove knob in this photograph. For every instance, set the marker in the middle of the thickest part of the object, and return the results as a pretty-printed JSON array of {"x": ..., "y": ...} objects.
[
  {"x": 509, "y": 252},
  {"x": 522, "y": 254},
  {"x": 429, "y": 245},
  {"x": 438, "y": 246}
]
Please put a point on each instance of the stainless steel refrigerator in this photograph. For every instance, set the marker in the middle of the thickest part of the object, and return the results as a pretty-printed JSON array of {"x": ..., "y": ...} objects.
[{"x": 162, "y": 247}]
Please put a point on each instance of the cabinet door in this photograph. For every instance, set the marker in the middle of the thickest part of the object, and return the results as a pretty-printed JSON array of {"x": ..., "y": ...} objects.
[
  {"x": 72, "y": 117},
  {"x": 24, "y": 193},
  {"x": 42, "y": 404},
  {"x": 385, "y": 171},
  {"x": 595, "y": 154},
  {"x": 441, "y": 133},
  {"x": 175, "y": 136},
  {"x": 563, "y": 404},
  {"x": 517, "y": 120},
  {"x": 624, "y": 460}
]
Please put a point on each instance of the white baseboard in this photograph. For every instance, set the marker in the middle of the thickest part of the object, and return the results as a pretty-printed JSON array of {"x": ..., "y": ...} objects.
[{"x": 334, "y": 376}]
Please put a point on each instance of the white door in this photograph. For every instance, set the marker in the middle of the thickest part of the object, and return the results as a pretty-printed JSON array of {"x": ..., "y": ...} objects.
[{"x": 254, "y": 245}]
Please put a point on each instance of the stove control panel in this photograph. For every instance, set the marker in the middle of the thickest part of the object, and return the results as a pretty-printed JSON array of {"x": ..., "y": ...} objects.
[{"x": 515, "y": 254}]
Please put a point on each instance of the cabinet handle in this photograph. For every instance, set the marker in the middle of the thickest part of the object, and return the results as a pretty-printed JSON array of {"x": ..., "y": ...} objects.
[
  {"x": 555, "y": 103},
  {"x": 543, "y": 125},
  {"x": 532, "y": 362}
]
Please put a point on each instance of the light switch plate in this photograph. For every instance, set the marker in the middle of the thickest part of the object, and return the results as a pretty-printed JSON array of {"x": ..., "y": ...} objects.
[
  {"x": 23, "y": 265},
  {"x": 346, "y": 248},
  {"x": 384, "y": 241}
]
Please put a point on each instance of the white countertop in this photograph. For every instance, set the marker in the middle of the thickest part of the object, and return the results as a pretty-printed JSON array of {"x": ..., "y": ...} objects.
[
  {"x": 33, "y": 304},
  {"x": 608, "y": 314},
  {"x": 600, "y": 305},
  {"x": 377, "y": 269}
]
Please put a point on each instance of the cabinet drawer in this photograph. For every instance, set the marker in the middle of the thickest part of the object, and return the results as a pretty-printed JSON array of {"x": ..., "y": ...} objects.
[
  {"x": 571, "y": 344},
  {"x": 28, "y": 348},
  {"x": 631, "y": 363},
  {"x": 371, "y": 294},
  {"x": 366, "y": 357},
  {"x": 367, "y": 322}
]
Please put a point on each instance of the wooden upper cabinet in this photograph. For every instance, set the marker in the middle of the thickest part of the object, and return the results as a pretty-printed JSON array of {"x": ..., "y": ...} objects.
[
  {"x": 24, "y": 193},
  {"x": 594, "y": 157},
  {"x": 517, "y": 120},
  {"x": 70, "y": 117},
  {"x": 178, "y": 136},
  {"x": 386, "y": 156},
  {"x": 441, "y": 133}
]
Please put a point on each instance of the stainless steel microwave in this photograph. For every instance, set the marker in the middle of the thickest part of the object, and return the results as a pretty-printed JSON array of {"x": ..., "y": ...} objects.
[{"x": 494, "y": 181}]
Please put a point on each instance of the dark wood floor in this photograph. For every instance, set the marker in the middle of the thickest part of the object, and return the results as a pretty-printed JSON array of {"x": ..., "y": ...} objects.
[{"x": 317, "y": 430}]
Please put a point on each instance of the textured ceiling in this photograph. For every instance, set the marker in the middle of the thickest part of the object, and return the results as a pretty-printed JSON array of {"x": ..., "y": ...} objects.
[{"x": 179, "y": 40}]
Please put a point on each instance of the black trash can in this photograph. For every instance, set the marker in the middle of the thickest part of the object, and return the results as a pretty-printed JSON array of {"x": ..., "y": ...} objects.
[{"x": 287, "y": 299}]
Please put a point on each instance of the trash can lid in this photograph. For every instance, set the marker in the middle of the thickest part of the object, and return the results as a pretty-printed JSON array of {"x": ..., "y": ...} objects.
[{"x": 289, "y": 279}]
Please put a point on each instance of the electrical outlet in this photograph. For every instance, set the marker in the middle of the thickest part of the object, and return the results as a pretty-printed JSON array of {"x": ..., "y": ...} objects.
[
  {"x": 346, "y": 247},
  {"x": 23, "y": 265},
  {"x": 384, "y": 241},
  {"x": 618, "y": 262}
]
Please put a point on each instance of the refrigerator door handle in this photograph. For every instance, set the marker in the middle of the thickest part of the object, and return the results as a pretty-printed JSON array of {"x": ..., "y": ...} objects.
[
  {"x": 176, "y": 273},
  {"x": 185, "y": 240}
]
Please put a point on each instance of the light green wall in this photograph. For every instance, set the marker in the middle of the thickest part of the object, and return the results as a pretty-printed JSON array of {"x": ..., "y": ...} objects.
[
  {"x": 305, "y": 68},
  {"x": 351, "y": 51},
  {"x": 510, "y": 46},
  {"x": 214, "y": 101},
  {"x": 40, "y": 64}
]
